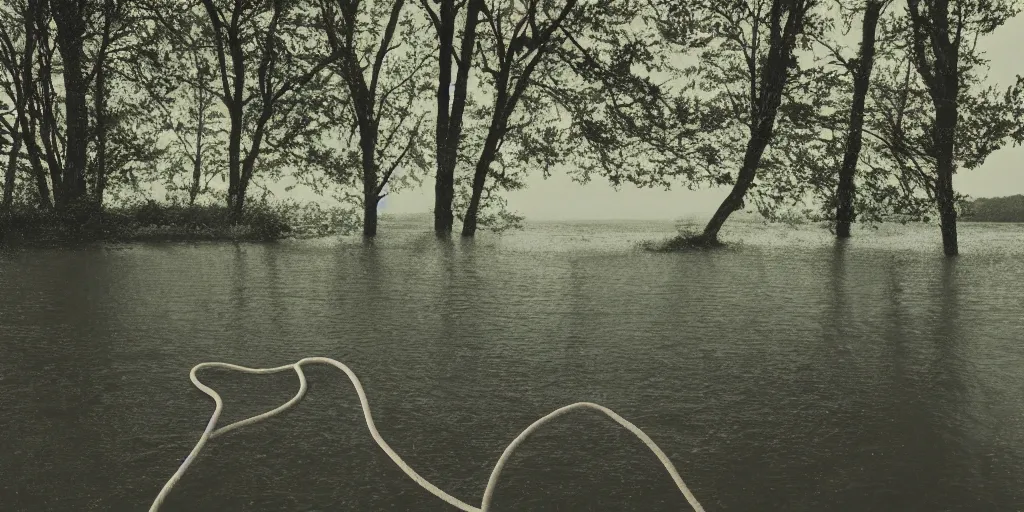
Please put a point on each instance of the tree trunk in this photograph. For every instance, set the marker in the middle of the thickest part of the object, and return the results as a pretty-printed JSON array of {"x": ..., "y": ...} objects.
[
  {"x": 846, "y": 190},
  {"x": 487, "y": 157},
  {"x": 444, "y": 193},
  {"x": 444, "y": 179},
  {"x": 945, "y": 127},
  {"x": 35, "y": 158},
  {"x": 242, "y": 186},
  {"x": 449, "y": 117},
  {"x": 197, "y": 167},
  {"x": 100, "y": 170},
  {"x": 249, "y": 163},
  {"x": 43, "y": 187},
  {"x": 10, "y": 172},
  {"x": 371, "y": 197},
  {"x": 370, "y": 202},
  {"x": 235, "y": 156},
  {"x": 236, "y": 194},
  {"x": 76, "y": 121},
  {"x": 734, "y": 201},
  {"x": 197, "y": 161}
]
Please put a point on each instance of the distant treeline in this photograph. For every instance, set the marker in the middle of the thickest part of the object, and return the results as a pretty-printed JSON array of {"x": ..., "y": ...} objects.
[{"x": 995, "y": 209}]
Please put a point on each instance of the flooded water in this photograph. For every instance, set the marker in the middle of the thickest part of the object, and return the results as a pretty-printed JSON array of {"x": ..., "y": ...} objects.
[{"x": 786, "y": 373}]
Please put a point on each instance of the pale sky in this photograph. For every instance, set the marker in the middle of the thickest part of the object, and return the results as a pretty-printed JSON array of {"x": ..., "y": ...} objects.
[{"x": 559, "y": 198}]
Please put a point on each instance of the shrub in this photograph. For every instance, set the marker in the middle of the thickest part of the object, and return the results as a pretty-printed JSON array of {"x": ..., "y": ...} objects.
[{"x": 150, "y": 220}]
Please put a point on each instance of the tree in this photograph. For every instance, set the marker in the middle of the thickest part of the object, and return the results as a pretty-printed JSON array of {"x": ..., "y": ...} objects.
[
  {"x": 521, "y": 38},
  {"x": 17, "y": 48},
  {"x": 937, "y": 34},
  {"x": 381, "y": 68},
  {"x": 903, "y": 123},
  {"x": 451, "y": 98},
  {"x": 767, "y": 74},
  {"x": 117, "y": 20},
  {"x": 861, "y": 70},
  {"x": 177, "y": 75},
  {"x": 71, "y": 18},
  {"x": 286, "y": 59}
]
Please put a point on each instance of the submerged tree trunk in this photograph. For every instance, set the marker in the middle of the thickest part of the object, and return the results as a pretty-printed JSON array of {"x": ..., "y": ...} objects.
[
  {"x": 197, "y": 161},
  {"x": 10, "y": 172},
  {"x": 940, "y": 71},
  {"x": 764, "y": 103},
  {"x": 846, "y": 189},
  {"x": 479, "y": 178},
  {"x": 444, "y": 178},
  {"x": 371, "y": 192},
  {"x": 444, "y": 191},
  {"x": 450, "y": 109},
  {"x": 945, "y": 126},
  {"x": 370, "y": 202},
  {"x": 734, "y": 201},
  {"x": 100, "y": 169},
  {"x": 71, "y": 26}
]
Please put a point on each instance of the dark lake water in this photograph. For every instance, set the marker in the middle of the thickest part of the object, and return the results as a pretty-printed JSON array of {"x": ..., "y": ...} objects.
[{"x": 786, "y": 374}]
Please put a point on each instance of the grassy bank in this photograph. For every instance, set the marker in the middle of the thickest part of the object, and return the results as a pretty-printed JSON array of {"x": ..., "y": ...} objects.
[
  {"x": 151, "y": 221},
  {"x": 690, "y": 238}
]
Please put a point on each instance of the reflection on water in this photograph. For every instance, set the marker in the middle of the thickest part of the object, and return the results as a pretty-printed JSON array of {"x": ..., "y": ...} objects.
[{"x": 791, "y": 373}]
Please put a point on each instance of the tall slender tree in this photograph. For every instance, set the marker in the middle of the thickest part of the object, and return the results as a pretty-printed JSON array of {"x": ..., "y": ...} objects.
[
  {"x": 937, "y": 34},
  {"x": 520, "y": 39},
  {"x": 382, "y": 90},
  {"x": 451, "y": 97},
  {"x": 861, "y": 69},
  {"x": 70, "y": 18},
  {"x": 785, "y": 20},
  {"x": 17, "y": 49},
  {"x": 247, "y": 52},
  {"x": 178, "y": 77}
]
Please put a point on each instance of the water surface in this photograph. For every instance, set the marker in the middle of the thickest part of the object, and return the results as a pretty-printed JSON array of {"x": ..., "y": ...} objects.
[{"x": 787, "y": 373}]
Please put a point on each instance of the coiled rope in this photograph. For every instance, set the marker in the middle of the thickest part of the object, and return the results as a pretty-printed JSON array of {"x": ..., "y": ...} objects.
[{"x": 212, "y": 432}]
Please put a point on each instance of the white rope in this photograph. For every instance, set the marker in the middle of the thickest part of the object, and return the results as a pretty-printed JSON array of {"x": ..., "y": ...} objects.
[{"x": 212, "y": 432}]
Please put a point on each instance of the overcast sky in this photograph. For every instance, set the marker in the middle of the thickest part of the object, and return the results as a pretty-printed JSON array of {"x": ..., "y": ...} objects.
[{"x": 560, "y": 198}]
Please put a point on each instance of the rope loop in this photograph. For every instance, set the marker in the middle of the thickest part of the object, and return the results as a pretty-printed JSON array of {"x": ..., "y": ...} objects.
[{"x": 212, "y": 431}]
